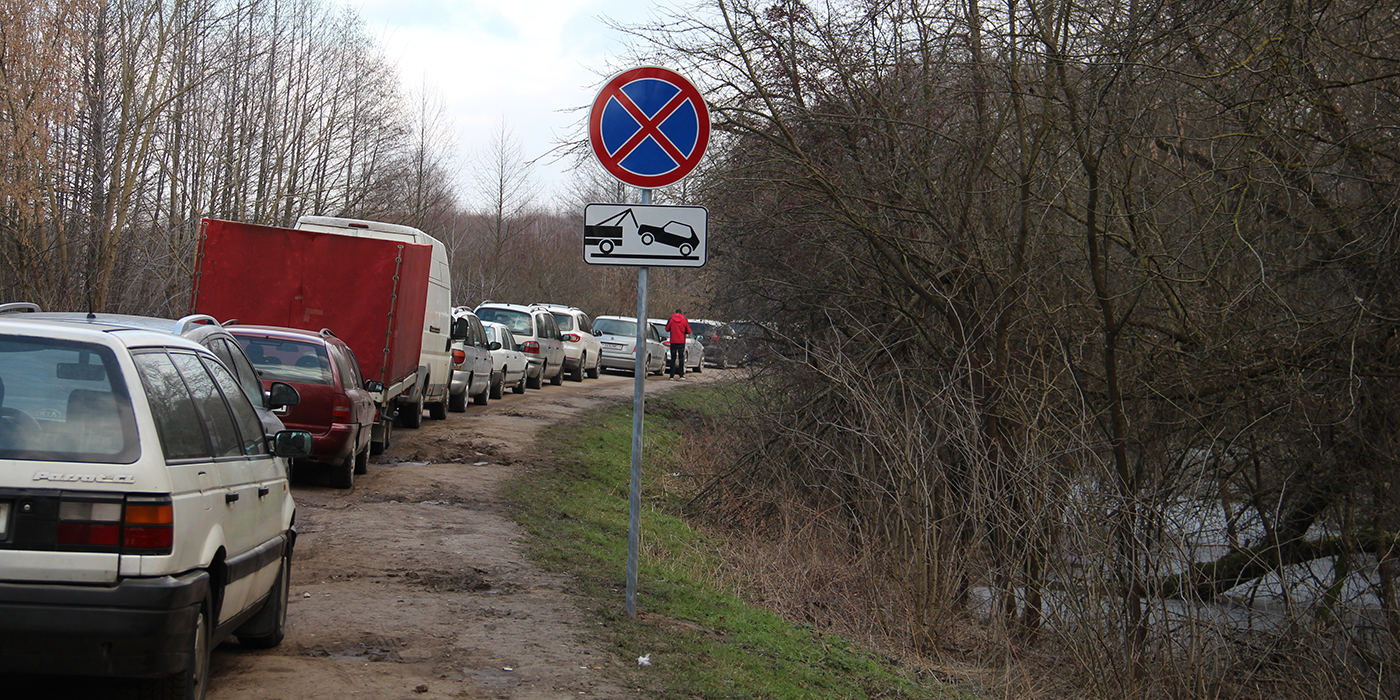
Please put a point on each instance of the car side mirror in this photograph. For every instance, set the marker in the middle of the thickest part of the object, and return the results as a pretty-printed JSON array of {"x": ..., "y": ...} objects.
[
  {"x": 494, "y": 346},
  {"x": 374, "y": 386},
  {"x": 461, "y": 329},
  {"x": 292, "y": 443},
  {"x": 282, "y": 394}
]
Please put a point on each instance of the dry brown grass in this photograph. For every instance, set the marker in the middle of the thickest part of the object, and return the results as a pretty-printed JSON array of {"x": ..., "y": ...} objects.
[{"x": 803, "y": 562}]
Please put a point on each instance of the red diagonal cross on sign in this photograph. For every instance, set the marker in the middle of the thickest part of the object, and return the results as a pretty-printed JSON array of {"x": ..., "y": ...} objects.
[{"x": 647, "y": 127}]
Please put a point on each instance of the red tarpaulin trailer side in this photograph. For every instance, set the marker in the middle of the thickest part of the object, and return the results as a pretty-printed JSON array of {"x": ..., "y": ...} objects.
[{"x": 370, "y": 292}]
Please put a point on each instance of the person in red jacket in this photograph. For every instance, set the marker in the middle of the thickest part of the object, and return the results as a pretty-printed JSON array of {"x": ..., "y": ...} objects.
[{"x": 679, "y": 328}]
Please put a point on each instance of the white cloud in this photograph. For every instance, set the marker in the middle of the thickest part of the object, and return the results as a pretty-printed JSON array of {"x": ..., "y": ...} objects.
[{"x": 521, "y": 61}]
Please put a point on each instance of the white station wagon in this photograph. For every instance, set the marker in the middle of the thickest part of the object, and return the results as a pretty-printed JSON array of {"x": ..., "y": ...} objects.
[{"x": 145, "y": 515}]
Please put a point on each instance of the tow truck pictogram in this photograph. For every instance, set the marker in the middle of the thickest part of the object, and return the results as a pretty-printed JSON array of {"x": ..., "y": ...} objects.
[{"x": 607, "y": 234}]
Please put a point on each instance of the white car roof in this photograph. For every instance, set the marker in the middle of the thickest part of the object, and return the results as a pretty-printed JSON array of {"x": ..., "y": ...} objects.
[{"x": 91, "y": 331}]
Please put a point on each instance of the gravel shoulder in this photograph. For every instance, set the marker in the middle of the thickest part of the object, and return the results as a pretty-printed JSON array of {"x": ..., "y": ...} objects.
[{"x": 414, "y": 584}]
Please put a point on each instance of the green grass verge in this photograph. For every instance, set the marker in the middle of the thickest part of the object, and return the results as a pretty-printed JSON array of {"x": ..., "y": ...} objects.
[{"x": 703, "y": 642}]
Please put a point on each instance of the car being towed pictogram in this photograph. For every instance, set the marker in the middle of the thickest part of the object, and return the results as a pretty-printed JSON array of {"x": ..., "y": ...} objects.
[{"x": 671, "y": 235}]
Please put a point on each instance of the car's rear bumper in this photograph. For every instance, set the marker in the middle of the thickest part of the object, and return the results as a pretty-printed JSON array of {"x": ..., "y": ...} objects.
[
  {"x": 573, "y": 352},
  {"x": 614, "y": 359},
  {"x": 136, "y": 628},
  {"x": 334, "y": 445}
]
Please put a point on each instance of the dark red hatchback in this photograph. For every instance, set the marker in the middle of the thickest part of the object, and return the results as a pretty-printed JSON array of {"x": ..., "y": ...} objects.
[{"x": 336, "y": 406}]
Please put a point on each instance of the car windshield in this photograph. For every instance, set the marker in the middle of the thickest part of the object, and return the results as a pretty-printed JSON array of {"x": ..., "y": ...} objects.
[
  {"x": 519, "y": 322},
  {"x": 613, "y": 326},
  {"x": 63, "y": 401},
  {"x": 288, "y": 360}
]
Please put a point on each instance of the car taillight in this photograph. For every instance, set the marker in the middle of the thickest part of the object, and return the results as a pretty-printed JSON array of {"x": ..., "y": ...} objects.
[
  {"x": 530, "y": 346},
  {"x": 572, "y": 337},
  {"x": 340, "y": 409},
  {"x": 459, "y": 356},
  {"x": 136, "y": 525},
  {"x": 149, "y": 526}
]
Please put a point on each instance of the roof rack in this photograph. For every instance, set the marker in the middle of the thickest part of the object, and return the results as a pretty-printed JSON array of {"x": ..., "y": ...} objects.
[
  {"x": 194, "y": 319},
  {"x": 20, "y": 307}
]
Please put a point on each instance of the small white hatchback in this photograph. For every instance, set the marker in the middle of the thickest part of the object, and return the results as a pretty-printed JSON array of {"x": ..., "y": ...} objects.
[{"x": 145, "y": 515}]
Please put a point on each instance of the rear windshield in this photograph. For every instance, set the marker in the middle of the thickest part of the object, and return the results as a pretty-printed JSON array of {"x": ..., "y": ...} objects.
[
  {"x": 519, "y": 322},
  {"x": 565, "y": 321},
  {"x": 493, "y": 335},
  {"x": 64, "y": 401},
  {"x": 288, "y": 360},
  {"x": 612, "y": 326}
]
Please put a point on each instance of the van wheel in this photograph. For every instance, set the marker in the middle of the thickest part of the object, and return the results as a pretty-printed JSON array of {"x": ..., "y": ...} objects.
[
  {"x": 411, "y": 415},
  {"x": 438, "y": 411},
  {"x": 273, "y": 616},
  {"x": 457, "y": 403},
  {"x": 191, "y": 683},
  {"x": 536, "y": 381}
]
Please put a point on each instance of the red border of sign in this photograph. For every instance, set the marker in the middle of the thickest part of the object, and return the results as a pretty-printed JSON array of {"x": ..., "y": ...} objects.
[{"x": 613, "y": 88}]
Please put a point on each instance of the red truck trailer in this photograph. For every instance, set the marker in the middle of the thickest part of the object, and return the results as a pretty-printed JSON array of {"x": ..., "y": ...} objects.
[{"x": 370, "y": 292}]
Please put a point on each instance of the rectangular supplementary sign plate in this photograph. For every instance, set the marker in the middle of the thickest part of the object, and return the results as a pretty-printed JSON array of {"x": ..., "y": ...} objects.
[{"x": 644, "y": 235}]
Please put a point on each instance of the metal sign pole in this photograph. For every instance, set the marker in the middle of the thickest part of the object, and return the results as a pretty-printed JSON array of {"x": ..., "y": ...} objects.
[{"x": 639, "y": 379}]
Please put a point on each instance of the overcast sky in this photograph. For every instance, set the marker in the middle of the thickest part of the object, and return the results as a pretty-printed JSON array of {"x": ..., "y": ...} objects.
[{"x": 522, "y": 61}]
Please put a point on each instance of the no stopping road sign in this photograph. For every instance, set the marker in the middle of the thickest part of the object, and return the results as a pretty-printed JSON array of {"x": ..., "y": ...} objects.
[{"x": 649, "y": 127}]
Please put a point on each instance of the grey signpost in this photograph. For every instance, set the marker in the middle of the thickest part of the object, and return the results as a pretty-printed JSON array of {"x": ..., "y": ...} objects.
[{"x": 649, "y": 128}]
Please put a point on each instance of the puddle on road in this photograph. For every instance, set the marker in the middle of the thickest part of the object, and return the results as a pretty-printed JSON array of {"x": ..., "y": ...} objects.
[{"x": 493, "y": 679}]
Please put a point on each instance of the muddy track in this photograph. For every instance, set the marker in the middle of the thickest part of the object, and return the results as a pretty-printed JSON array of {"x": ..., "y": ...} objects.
[{"x": 413, "y": 584}]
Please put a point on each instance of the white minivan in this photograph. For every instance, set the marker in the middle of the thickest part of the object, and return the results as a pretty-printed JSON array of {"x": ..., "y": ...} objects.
[{"x": 434, "y": 380}]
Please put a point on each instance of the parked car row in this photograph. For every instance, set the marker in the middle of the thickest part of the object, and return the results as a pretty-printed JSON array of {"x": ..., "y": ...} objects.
[
  {"x": 733, "y": 344},
  {"x": 521, "y": 346}
]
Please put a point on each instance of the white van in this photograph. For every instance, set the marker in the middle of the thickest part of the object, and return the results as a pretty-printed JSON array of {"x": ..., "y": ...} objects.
[{"x": 431, "y": 390}]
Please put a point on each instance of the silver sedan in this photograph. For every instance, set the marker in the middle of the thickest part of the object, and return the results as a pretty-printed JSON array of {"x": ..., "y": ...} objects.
[{"x": 618, "y": 336}]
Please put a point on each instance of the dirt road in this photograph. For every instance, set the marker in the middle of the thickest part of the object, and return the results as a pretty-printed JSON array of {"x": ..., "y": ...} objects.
[{"x": 413, "y": 584}]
